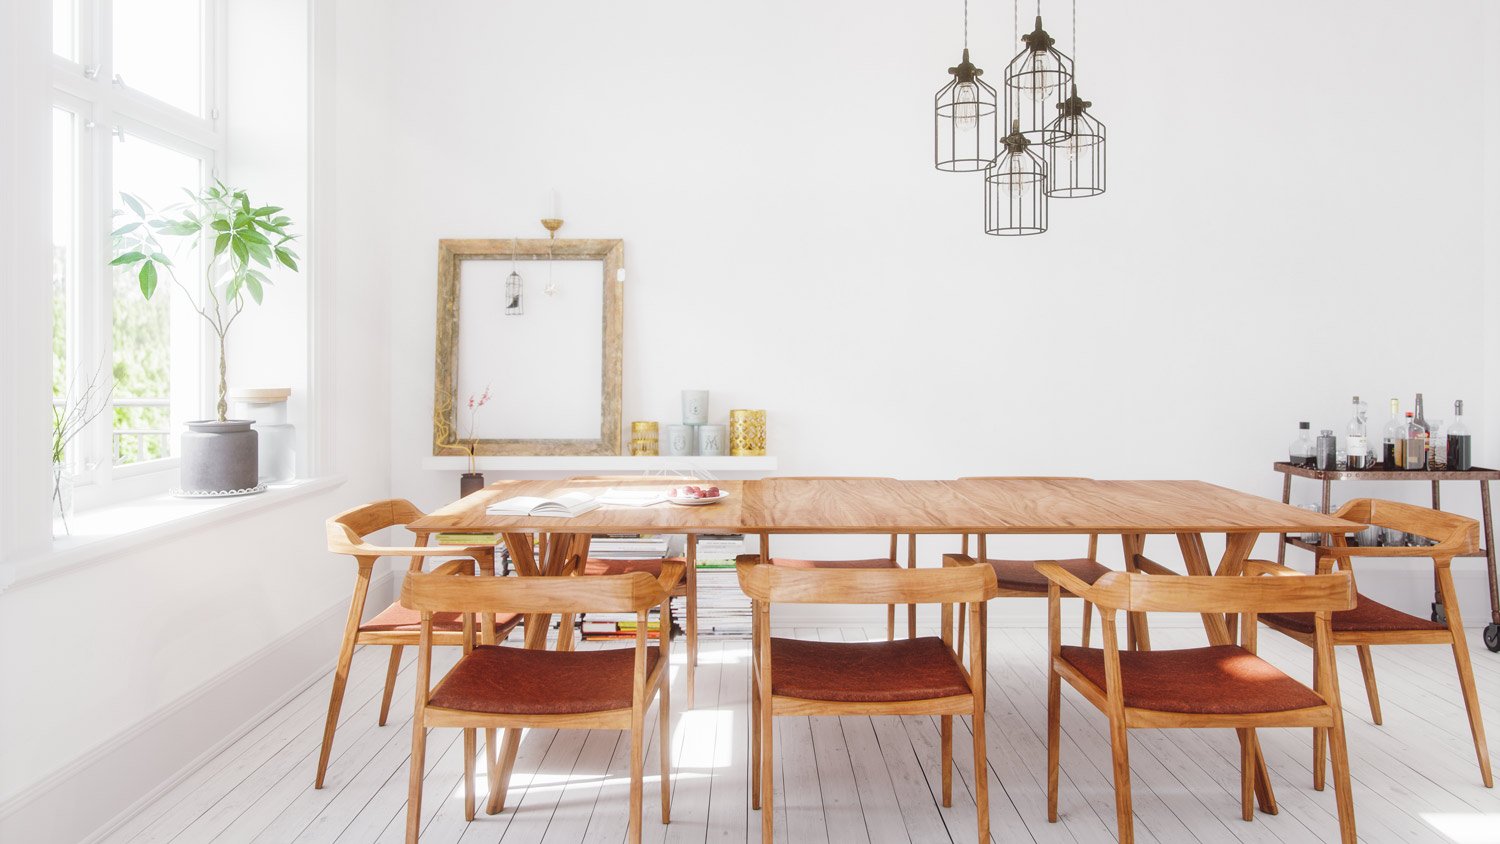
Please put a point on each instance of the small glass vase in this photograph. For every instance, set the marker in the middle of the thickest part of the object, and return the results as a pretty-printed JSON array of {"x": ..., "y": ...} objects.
[{"x": 62, "y": 499}]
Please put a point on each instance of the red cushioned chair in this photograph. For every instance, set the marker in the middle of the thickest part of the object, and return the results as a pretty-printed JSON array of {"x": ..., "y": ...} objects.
[
  {"x": 1373, "y": 623},
  {"x": 496, "y": 687},
  {"x": 1222, "y": 685},
  {"x": 920, "y": 676},
  {"x": 1019, "y": 578},
  {"x": 395, "y": 625},
  {"x": 872, "y": 564}
]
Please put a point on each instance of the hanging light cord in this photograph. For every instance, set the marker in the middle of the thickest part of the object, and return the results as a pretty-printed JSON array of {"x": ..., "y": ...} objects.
[
  {"x": 1015, "y": 20},
  {"x": 966, "y": 24},
  {"x": 1075, "y": 39}
]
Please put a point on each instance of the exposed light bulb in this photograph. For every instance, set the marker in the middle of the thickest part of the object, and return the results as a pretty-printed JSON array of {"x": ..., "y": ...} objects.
[
  {"x": 1013, "y": 176},
  {"x": 1039, "y": 79},
  {"x": 966, "y": 105}
]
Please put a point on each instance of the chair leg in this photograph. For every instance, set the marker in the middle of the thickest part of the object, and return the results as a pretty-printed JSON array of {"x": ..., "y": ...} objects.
[
  {"x": 1341, "y": 786},
  {"x": 1471, "y": 703},
  {"x": 981, "y": 775},
  {"x": 637, "y": 776},
  {"x": 390, "y": 682},
  {"x": 754, "y": 738},
  {"x": 890, "y": 622},
  {"x": 500, "y": 767},
  {"x": 1054, "y": 736},
  {"x": 911, "y": 621},
  {"x": 470, "y": 735},
  {"x": 1320, "y": 739},
  {"x": 767, "y": 765},
  {"x": 947, "y": 763},
  {"x": 335, "y": 701},
  {"x": 664, "y": 715},
  {"x": 1367, "y": 667},
  {"x": 1088, "y": 622},
  {"x": 414, "y": 788},
  {"x": 958, "y": 641},
  {"x": 1119, "y": 743}
]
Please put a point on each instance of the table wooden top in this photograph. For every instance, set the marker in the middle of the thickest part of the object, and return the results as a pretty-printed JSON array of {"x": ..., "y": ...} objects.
[{"x": 877, "y": 505}]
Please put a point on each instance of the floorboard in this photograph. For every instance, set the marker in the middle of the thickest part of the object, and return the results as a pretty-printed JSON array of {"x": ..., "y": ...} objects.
[{"x": 857, "y": 780}]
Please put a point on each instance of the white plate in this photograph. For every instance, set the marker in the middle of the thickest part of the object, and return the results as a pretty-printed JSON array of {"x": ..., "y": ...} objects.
[{"x": 699, "y": 502}]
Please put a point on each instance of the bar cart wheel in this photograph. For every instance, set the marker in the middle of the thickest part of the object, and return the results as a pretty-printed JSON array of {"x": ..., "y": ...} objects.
[{"x": 1492, "y": 637}]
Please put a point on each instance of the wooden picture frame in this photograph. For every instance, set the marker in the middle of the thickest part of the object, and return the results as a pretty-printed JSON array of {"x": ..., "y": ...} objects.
[{"x": 451, "y": 255}]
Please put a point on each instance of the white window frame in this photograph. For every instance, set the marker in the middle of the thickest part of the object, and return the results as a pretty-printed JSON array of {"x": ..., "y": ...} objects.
[{"x": 104, "y": 105}]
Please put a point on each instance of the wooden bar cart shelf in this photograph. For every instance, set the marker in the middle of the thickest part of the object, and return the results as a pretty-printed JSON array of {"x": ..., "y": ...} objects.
[{"x": 1433, "y": 476}]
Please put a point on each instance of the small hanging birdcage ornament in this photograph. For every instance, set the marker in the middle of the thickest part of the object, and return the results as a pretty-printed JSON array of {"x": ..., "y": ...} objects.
[
  {"x": 514, "y": 292},
  {"x": 1035, "y": 82},
  {"x": 1015, "y": 188},
  {"x": 1075, "y": 163}
]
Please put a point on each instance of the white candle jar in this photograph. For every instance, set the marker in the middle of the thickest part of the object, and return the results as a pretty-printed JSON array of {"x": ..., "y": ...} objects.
[{"x": 278, "y": 438}]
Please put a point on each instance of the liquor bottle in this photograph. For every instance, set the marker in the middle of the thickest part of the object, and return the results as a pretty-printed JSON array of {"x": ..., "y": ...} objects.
[
  {"x": 1395, "y": 431},
  {"x": 1356, "y": 443},
  {"x": 1325, "y": 457},
  {"x": 1301, "y": 452},
  {"x": 1420, "y": 420},
  {"x": 1414, "y": 445},
  {"x": 1460, "y": 443}
]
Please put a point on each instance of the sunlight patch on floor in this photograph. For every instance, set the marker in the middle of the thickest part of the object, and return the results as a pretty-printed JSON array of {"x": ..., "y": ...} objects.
[{"x": 1465, "y": 827}]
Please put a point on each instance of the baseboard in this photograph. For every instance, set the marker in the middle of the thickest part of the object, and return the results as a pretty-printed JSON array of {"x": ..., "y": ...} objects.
[{"x": 126, "y": 773}]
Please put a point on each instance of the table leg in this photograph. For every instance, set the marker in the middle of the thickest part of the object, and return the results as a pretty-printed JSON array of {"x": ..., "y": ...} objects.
[
  {"x": 1286, "y": 498},
  {"x": 523, "y": 557},
  {"x": 1237, "y": 549},
  {"x": 1137, "y": 633},
  {"x": 1195, "y": 556}
]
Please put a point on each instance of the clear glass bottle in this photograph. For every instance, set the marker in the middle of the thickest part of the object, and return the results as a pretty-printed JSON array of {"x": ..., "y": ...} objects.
[
  {"x": 1437, "y": 445},
  {"x": 1356, "y": 440},
  {"x": 1390, "y": 440},
  {"x": 1301, "y": 451},
  {"x": 1414, "y": 445},
  {"x": 1420, "y": 420},
  {"x": 1460, "y": 442}
]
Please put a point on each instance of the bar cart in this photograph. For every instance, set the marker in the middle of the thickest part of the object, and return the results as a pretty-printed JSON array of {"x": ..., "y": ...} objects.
[{"x": 1435, "y": 477}]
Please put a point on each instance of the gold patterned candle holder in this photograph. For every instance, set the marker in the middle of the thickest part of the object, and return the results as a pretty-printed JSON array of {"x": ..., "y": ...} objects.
[
  {"x": 747, "y": 433},
  {"x": 645, "y": 439}
]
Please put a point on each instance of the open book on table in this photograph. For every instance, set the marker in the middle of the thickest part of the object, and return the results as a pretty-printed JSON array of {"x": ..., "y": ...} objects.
[{"x": 563, "y": 506}]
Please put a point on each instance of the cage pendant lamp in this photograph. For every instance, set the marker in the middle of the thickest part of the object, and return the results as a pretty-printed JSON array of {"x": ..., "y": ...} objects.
[
  {"x": 965, "y": 115},
  {"x": 1036, "y": 81},
  {"x": 1075, "y": 158},
  {"x": 1015, "y": 188}
]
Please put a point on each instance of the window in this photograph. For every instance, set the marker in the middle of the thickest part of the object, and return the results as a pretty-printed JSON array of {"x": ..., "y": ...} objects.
[{"x": 135, "y": 112}]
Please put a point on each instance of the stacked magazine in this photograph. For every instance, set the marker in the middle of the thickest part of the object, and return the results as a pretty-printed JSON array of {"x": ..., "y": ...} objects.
[{"x": 723, "y": 610}]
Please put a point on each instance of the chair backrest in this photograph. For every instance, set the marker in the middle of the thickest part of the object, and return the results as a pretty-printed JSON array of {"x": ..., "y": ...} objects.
[
  {"x": 1454, "y": 534},
  {"x": 1135, "y": 592},
  {"x": 635, "y": 592},
  {"x": 347, "y": 530},
  {"x": 948, "y": 585}
]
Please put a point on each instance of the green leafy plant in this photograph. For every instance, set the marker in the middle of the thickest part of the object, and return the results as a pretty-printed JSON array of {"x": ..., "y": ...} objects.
[{"x": 248, "y": 241}]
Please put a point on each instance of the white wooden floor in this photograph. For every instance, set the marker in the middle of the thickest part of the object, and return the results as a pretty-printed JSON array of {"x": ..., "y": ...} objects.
[{"x": 857, "y": 779}]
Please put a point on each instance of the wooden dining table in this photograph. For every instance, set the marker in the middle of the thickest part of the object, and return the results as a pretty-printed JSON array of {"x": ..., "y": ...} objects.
[{"x": 1187, "y": 510}]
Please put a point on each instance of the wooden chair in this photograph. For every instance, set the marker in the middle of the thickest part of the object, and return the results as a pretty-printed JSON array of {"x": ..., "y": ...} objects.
[
  {"x": 1223, "y": 685},
  {"x": 906, "y": 677},
  {"x": 495, "y": 687},
  {"x": 394, "y": 625},
  {"x": 872, "y": 564},
  {"x": 1373, "y": 623},
  {"x": 1019, "y": 578}
]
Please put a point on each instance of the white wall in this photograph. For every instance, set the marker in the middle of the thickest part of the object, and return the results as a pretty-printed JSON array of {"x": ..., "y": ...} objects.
[
  {"x": 123, "y": 672},
  {"x": 1274, "y": 194}
]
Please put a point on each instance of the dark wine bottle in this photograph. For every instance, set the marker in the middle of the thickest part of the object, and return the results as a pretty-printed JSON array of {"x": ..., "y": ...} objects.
[{"x": 1460, "y": 442}]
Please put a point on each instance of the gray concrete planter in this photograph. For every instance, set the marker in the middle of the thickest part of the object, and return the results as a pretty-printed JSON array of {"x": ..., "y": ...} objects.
[{"x": 220, "y": 458}]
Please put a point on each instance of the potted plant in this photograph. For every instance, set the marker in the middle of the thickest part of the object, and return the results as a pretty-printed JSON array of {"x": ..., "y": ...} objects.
[
  {"x": 219, "y": 455},
  {"x": 473, "y": 480}
]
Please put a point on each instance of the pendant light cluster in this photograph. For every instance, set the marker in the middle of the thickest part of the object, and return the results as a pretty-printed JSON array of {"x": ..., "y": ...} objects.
[{"x": 1053, "y": 149}]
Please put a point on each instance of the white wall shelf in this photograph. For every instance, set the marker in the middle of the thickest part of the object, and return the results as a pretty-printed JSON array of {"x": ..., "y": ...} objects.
[{"x": 601, "y": 463}]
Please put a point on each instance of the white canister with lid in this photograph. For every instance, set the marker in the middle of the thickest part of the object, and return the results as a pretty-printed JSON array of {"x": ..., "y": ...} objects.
[{"x": 278, "y": 437}]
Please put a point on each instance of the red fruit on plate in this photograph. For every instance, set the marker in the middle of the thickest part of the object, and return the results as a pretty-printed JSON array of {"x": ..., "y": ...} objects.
[{"x": 713, "y": 492}]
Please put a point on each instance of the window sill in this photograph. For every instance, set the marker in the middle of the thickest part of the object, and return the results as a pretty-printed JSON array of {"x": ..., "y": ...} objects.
[{"x": 105, "y": 532}]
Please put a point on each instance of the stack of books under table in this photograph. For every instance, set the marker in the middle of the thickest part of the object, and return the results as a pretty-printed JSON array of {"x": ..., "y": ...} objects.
[
  {"x": 633, "y": 546},
  {"x": 723, "y": 610}
]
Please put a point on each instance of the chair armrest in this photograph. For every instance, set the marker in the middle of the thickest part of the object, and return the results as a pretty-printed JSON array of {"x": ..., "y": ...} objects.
[
  {"x": 1266, "y": 567},
  {"x": 1065, "y": 579},
  {"x": 464, "y": 566},
  {"x": 672, "y": 574}
]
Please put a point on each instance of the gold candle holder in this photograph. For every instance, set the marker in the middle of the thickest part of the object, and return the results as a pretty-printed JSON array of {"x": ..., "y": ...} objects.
[
  {"x": 645, "y": 439},
  {"x": 747, "y": 433}
]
